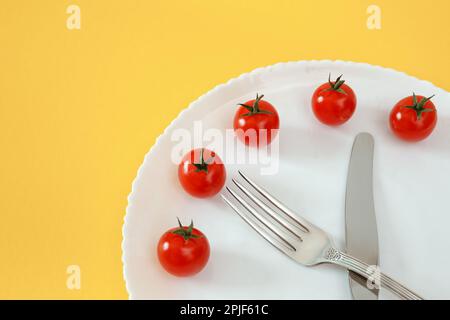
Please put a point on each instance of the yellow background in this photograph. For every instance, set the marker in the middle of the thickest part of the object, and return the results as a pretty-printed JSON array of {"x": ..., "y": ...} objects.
[{"x": 79, "y": 109}]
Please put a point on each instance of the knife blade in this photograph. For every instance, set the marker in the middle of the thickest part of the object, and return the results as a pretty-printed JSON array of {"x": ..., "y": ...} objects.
[{"x": 360, "y": 221}]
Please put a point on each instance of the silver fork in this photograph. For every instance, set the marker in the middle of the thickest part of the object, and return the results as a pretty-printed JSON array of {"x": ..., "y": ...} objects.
[{"x": 299, "y": 239}]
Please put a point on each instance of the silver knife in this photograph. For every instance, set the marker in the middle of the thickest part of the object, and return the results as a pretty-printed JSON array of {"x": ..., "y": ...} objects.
[{"x": 360, "y": 222}]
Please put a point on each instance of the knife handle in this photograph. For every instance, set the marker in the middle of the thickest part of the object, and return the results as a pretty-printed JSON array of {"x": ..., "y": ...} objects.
[{"x": 347, "y": 261}]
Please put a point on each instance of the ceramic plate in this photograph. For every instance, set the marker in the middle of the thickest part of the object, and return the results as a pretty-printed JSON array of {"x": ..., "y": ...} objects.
[{"x": 411, "y": 191}]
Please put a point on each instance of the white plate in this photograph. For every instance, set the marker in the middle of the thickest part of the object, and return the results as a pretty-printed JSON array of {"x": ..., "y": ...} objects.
[{"x": 411, "y": 190}]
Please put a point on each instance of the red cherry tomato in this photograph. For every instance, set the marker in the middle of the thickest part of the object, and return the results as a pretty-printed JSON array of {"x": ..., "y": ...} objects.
[
  {"x": 183, "y": 251},
  {"x": 413, "y": 118},
  {"x": 201, "y": 173},
  {"x": 256, "y": 122},
  {"x": 334, "y": 103}
]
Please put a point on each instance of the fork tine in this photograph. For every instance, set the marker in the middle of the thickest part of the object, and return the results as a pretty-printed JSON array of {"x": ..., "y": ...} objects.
[
  {"x": 268, "y": 210},
  {"x": 263, "y": 233},
  {"x": 302, "y": 223},
  {"x": 260, "y": 218}
]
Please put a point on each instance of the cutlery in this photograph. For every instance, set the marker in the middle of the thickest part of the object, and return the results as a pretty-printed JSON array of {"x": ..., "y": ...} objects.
[
  {"x": 297, "y": 238},
  {"x": 361, "y": 235}
]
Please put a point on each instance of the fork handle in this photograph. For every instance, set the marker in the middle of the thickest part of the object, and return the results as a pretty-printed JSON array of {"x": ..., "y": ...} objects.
[{"x": 347, "y": 261}]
